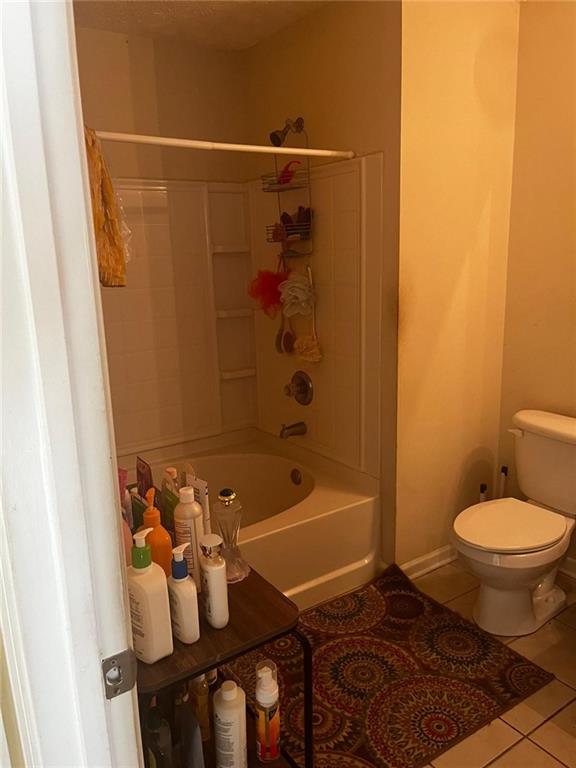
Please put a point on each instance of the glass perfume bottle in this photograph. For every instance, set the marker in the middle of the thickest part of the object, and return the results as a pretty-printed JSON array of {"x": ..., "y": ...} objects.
[{"x": 228, "y": 514}]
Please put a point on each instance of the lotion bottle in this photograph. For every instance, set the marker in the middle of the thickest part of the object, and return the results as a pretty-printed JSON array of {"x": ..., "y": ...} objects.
[
  {"x": 183, "y": 599},
  {"x": 230, "y": 726},
  {"x": 188, "y": 527},
  {"x": 214, "y": 580},
  {"x": 149, "y": 606}
]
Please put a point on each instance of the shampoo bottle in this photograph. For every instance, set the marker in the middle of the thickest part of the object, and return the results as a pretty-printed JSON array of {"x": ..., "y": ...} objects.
[
  {"x": 214, "y": 580},
  {"x": 188, "y": 527},
  {"x": 149, "y": 606},
  {"x": 230, "y": 726},
  {"x": 159, "y": 540},
  {"x": 159, "y": 739},
  {"x": 183, "y": 599},
  {"x": 267, "y": 712}
]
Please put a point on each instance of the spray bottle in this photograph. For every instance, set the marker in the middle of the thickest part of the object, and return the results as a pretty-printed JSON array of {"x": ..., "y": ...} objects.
[{"x": 267, "y": 712}]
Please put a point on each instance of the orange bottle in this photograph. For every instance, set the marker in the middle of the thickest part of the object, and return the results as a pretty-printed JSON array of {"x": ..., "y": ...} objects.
[{"x": 158, "y": 539}]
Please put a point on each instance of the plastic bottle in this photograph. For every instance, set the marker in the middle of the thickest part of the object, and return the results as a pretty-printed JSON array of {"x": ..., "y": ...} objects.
[
  {"x": 170, "y": 491},
  {"x": 267, "y": 712},
  {"x": 188, "y": 527},
  {"x": 159, "y": 540},
  {"x": 230, "y": 726},
  {"x": 183, "y": 599},
  {"x": 127, "y": 540},
  {"x": 149, "y": 606},
  {"x": 200, "y": 704},
  {"x": 159, "y": 739},
  {"x": 214, "y": 580}
]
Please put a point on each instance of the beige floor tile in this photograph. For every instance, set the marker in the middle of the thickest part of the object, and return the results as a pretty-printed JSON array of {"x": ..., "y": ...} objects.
[
  {"x": 568, "y": 617},
  {"x": 558, "y": 735},
  {"x": 479, "y": 749},
  {"x": 552, "y": 647},
  {"x": 446, "y": 583},
  {"x": 464, "y": 606},
  {"x": 526, "y": 755},
  {"x": 532, "y": 712}
]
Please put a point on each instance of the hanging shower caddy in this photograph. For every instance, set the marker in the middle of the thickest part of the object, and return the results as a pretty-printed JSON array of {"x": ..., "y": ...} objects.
[{"x": 293, "y": 226}]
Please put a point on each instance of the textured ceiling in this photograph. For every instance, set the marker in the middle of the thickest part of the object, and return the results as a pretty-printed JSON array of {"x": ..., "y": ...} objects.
[{"x": 234, "y": 24}]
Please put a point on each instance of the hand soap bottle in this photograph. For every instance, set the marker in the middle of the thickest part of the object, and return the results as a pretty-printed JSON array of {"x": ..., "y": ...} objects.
[
  {"x": 159, "y": 540},
  {"x": 149, "y": 606},
  {"x": 183, "y": 599}
]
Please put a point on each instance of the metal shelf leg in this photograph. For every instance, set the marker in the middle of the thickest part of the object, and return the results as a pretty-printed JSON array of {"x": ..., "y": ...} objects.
[{"x": 308, "y": 700}]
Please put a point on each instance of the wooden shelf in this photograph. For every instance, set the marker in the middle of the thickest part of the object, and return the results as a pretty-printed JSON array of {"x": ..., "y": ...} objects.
[{"x": 258, "y": 613}]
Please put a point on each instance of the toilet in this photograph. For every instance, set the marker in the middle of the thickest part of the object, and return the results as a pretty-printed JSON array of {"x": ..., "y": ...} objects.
[{"x": 515, "y": 547}]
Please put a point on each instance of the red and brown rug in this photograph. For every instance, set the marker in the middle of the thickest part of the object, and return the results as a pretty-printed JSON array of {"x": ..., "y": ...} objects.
[{"x": 398, "y": 678}]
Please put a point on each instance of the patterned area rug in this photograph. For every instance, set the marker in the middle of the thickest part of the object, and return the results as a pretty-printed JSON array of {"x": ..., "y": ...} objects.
[{"x": 398, "y": 678}]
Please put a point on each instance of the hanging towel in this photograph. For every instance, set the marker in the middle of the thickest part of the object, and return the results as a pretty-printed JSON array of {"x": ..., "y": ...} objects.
[{"x": 107, "y": 225}]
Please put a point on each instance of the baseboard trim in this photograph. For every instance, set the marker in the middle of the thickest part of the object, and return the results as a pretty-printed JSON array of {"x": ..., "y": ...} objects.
[
  {"x": 430, "y": 561},
  {"x": 568, "y": 567}
]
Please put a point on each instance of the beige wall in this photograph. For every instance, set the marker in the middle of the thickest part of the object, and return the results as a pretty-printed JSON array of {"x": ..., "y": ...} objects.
[
  {"x": 458, "y": 99},
  {"x": 539, "y": 366},
  {"x": 168, "y": 87},
  {"x": 340, "y": 68}
]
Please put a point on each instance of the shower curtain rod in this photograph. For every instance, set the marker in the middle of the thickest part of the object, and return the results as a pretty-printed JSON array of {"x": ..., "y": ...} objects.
[{"x": 134, "y": 138}]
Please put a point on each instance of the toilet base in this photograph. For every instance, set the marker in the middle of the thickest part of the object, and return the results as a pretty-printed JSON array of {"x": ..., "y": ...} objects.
[{"x": 512, "y": 613}]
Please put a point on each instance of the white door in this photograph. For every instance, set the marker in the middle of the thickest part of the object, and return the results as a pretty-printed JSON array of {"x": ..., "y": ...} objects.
[{"x": 62, "y": 596}]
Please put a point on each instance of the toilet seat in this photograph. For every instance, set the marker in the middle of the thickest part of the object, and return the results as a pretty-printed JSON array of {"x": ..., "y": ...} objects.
[{"x": 509, "y": 526}]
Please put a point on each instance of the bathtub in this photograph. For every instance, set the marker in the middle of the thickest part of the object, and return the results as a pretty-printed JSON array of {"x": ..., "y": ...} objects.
[{"x": 310, "y": 526}]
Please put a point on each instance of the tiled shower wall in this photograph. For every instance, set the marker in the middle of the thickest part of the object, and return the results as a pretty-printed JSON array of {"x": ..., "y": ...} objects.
[
  {"x": 174, "y": 346},
  {"x": 186, "y": 347},
  {"x": 342, "y": 420}
]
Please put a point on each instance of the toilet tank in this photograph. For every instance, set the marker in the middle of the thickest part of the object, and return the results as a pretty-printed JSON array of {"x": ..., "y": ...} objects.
[{"x": 545, "y": 450}]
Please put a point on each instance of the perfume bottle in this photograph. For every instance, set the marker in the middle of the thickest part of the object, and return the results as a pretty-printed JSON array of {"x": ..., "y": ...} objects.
[{"x": 228, "y": 514}]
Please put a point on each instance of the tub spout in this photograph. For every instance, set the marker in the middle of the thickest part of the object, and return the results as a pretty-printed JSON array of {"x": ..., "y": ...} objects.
[{"x": 289, "y": 430}]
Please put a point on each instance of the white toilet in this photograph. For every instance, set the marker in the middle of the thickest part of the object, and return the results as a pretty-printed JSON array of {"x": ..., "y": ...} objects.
[{"x": 514, "y": 547}]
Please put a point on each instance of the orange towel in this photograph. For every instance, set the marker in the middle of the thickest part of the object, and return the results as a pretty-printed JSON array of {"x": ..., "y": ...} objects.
[{"x": 109, "y": 243}]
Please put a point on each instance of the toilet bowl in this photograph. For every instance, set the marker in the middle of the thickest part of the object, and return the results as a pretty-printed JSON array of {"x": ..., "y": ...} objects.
[{"x": 514, "y": 547}]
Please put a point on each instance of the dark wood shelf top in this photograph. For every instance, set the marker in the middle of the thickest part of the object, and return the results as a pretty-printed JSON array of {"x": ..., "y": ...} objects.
[{"x": 258, "y": 613}]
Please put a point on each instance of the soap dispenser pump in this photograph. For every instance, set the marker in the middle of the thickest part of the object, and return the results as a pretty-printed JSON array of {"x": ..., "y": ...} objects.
[
  {"x": 149, "y": 606},
  {"x": 183, "y": 598}
]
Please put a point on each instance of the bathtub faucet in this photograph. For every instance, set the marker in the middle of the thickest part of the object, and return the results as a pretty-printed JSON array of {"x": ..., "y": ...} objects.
[{"x": 289, "y": 430}]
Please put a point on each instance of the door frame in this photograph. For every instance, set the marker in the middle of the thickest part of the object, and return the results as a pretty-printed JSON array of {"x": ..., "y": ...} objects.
[{"x": 63, "y": 598}]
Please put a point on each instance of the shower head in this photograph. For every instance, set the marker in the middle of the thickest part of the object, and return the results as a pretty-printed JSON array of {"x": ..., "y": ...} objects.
[{"x": 277, "y": 138}]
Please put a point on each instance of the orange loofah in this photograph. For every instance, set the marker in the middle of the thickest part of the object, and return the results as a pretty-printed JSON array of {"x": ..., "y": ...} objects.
[{"x": 265, "y": 290}]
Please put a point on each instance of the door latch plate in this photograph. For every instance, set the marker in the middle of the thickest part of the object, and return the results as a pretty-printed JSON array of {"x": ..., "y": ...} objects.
[{"x": 119, "y": 673}]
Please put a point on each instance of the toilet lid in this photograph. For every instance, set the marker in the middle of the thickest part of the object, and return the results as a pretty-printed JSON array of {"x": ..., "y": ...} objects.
[{"x": 509, "y": 525}]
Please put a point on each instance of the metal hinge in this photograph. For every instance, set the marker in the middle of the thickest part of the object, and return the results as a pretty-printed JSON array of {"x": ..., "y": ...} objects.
[{"x": 119, "y": 672}]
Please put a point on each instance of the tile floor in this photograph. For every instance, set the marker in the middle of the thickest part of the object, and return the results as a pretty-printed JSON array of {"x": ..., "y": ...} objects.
[{"x": 541, "y": 731}]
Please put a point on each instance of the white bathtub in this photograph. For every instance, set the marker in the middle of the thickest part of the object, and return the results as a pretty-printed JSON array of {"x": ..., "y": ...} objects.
[{"x": 310, "y": 525}]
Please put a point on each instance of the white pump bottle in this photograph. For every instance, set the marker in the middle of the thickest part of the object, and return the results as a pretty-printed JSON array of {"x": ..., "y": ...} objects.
[
  {"x": 183, "y": 599},
  {"x": 149, "y": 606}
]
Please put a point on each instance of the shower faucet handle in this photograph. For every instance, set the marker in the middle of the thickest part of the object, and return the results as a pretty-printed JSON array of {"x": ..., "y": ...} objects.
[{"x": 300, "y": 388}]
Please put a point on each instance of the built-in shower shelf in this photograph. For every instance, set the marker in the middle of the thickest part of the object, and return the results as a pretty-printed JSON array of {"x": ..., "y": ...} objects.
[
  {"x": 242, "y": 373},
  {"x": 231, "y": 314},
  {"x": 233, "y": 251}
]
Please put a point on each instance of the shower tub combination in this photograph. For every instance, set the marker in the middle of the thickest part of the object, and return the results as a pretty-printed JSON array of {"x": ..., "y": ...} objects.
[{"x": 309, "y": 525}]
